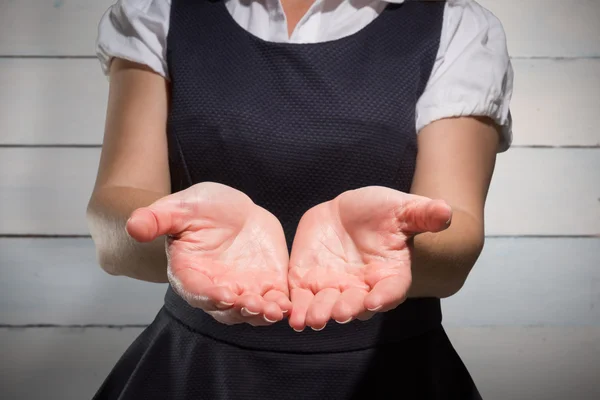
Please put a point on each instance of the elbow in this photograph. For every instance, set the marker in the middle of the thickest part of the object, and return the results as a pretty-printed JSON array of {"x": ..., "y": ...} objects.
[
  {"x": 107, "y": 263},
  {"x": 105, "y": 256},
  {"x": 456, "y": 281},
  {"x": 450, "y": 288}
]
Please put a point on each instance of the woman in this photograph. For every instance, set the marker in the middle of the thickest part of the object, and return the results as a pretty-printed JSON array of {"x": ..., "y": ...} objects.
[{"x": 272, "y": 147}]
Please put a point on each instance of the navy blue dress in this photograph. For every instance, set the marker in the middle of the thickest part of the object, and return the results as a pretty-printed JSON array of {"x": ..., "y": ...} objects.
[{"x": 294, "y": 125}]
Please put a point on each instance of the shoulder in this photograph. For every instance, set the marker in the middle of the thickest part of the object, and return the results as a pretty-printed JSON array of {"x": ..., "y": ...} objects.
[
  {"x": 146, "y": 6},
  {"x": 135, "y": 30},
  {"x": 468, "y": 16},
  {"x": 472, "y": 74}
]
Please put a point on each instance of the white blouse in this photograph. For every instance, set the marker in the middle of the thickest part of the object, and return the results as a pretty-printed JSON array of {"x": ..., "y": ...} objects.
[{"x": 472, "y": 74}]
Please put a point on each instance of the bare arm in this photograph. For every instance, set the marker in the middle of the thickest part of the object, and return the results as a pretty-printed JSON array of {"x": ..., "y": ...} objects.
[
  {"x": 455, "y": 163},
  {"x": 133, "y": 172}
]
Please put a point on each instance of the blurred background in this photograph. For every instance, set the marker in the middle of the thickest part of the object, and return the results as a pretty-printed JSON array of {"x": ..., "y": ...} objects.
[{"x": 527, "y": 323}]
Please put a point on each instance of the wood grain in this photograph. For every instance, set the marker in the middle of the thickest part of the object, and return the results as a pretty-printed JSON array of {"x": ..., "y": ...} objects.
[
  {"x": 52, "y": 102},
  {"x": 549, "y": 28},
  {"x": 555, "y": 103},
  {"x": 50, "y": 27},
  {"x": 59, "y": 282}
]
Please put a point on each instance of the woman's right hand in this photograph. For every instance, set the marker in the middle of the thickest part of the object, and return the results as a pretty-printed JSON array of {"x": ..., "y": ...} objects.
[{"x": 226, "y": 255}]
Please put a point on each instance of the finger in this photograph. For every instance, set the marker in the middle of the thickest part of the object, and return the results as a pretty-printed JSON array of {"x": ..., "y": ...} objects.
[
  {"x": 301, "y": 299},
  {"x": 256, "y": 320},
  {"x": 319, "y": 311},
  {"x": 424, "y": 215},
  {"x": 234, "y": 316},
  {"x": 349, "y": 305},
  {"x": 279, "y": 298},
  {"x": 251, "y": 308},
  {"x": 271, "y": 312},
  {"x": 387, "y": 294},
  {"x": 200, "y": 291},
  {"x": 365, "y": 316},
  {"x": 164, "y": 216},
  {"x": 250, "y": 304}
]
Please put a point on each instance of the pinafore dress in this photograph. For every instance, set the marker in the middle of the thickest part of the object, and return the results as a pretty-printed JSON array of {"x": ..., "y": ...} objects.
[{"x": 294, "y": 125}]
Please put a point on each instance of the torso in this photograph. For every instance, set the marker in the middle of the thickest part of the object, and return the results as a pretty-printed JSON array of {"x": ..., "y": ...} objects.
[{"x": 293, "y": 125}]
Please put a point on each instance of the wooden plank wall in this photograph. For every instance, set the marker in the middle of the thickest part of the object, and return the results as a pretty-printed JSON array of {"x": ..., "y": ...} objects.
[{"x": 527, "y": 323}]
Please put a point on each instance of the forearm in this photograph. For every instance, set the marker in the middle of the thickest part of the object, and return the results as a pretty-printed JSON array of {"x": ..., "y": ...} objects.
[
  {"x": 117, "y": 253},
  {"x": 443, "y": 260}
]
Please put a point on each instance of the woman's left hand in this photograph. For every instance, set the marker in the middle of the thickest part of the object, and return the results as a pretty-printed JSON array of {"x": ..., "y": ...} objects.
[{"x": 351, "y": 255}]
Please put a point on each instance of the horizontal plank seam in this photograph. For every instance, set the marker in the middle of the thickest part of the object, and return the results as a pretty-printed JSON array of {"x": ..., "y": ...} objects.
[
  {"x": 560, "y": 146},
  {"x": 557, "y": 58},
  {"x": 45, "y": 57},
  {"x": 532, "y": 236},
  {"x": 43, "y": 236},
  {"x": 74, "y": 326},
  {"x": 51, "y": 146}
]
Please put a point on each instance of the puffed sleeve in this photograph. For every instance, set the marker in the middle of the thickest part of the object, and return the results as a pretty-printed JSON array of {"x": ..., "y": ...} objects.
[
  {"x": 472, "y": 75},
  {"x": 135, "y": 30}
]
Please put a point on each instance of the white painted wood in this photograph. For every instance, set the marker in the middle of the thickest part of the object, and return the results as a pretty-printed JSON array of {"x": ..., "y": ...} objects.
[
  {"x": 63, "y": 101},
  {"x": 526, "y": 363},
  {"x": 552, "y": 284},
  {"x": 46, "y": 191},
  {"x": 523, "y": 281},
  {"x": 540, "y": 28},
  {"x": 52, "y": 101},
  {"x": 530, "y": 282},
  {"x": 58, "y": 282},
  {"x": 506, "y": 363},
  {"x": 534, "y": 192},
  {"x": 555, "y": 102},
  {"x": 545, "y": 192},
  {"x": 549, "y": 28},
  {"x": 50, "y": 27},
  {"x": 58, "y": 364}
]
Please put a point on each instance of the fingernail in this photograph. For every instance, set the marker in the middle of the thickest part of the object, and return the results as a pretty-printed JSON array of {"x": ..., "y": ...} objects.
[
  {"x": 223, "y": 304},
  {"x": 344, "y": 322},
  {"x": 318, "y": 329},
  {"x": 376, "y": 308},
  {"x": 247, "y": 313},
  {"x": 284, "y": 311},
  {"x": 268, "y": 320},
  {"x": 298, "y": 330}
]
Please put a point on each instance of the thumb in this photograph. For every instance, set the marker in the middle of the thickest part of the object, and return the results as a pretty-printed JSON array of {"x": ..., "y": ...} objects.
[
  {"x": 425, "y": 215},
  {"x": 163, "y": 217}
]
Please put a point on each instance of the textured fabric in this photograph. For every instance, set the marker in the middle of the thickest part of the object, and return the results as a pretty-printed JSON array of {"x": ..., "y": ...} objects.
[
  {"x": 472, "y": 74},
  {"x": 292, "y": 126},
  {"x": 170, "y": 361}
]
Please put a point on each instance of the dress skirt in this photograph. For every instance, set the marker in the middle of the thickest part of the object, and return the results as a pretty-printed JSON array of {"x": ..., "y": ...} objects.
[{"x": 172, "y": 360}]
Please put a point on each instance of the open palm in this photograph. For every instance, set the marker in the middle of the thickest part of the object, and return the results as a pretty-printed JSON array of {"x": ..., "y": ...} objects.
[
  {"x": 227, "y": 255},
  {"x": 351, "y": 255}
]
